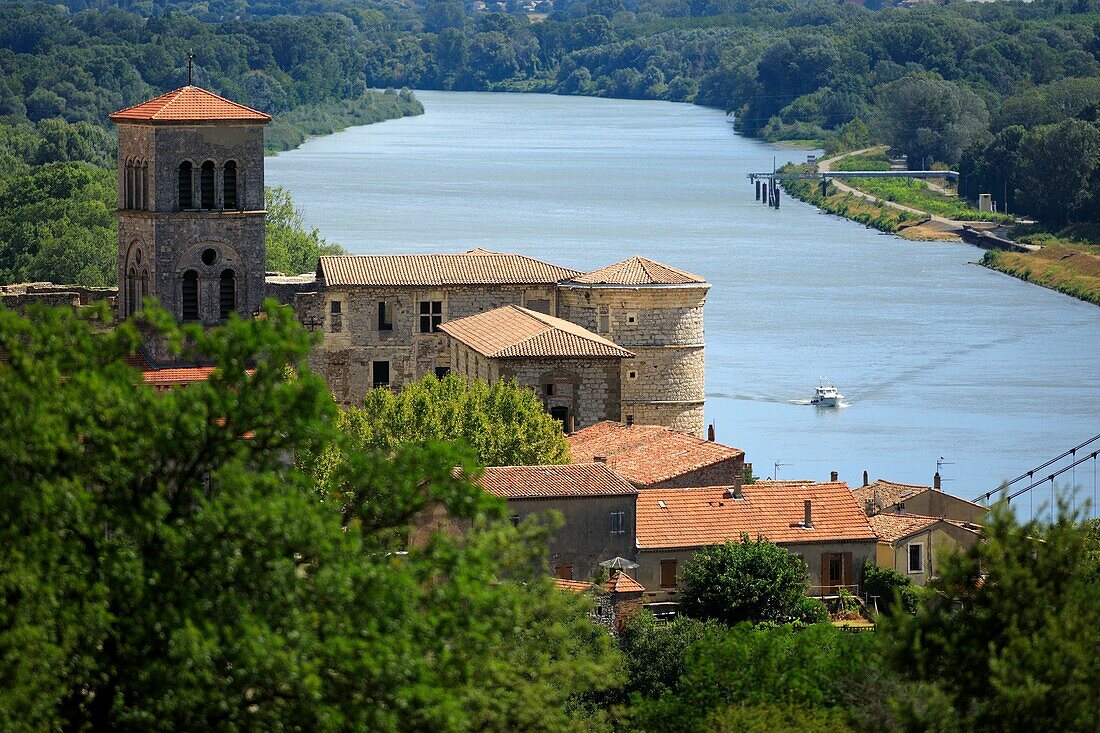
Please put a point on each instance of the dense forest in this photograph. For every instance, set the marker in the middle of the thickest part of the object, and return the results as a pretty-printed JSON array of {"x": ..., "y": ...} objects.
[{"x": 1006, "y": 92}]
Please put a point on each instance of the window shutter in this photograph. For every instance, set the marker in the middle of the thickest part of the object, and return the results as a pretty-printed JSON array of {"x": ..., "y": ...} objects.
[
  {"x": 847, "y": 568},
  {"x": 823, "y": 572}
]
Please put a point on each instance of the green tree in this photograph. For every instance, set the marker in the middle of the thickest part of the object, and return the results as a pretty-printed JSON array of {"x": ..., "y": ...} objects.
[
  {"x": 890, "y": 586},
  {"x": 291, "y": 248},
  {"x": 1012, "y": 644},
  {"x": 164, "y": 568},
  {"x": 930, "y": 119},
  {"x": 1060, "y": 172},
  {"x": 504, "y": 423},
  {"x": 750, "y": 580},
  {"x": 654, "y": 654}
]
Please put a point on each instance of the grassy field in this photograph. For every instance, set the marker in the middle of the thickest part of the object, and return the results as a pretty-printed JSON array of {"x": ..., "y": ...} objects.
[
  {"x": 848, "y": 205},
  {"x": 1069, "y": 261},
  {"x": 909, "y": 192}
]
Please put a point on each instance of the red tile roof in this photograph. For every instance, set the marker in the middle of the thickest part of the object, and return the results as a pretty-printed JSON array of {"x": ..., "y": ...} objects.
[
  {"x": 539, "y": 482},
  {"x": 887, "y": 493},
  {"x": 620, "y": 582},
  {"x": 511, "y": 332},
  {"x": 575, "y": 586},
  {"x": 639, "y": 271},
  {"x": 177, "y": 375},
  {"x": 647, "y": 454},
  {"x": 475, "y": 267},
  {"x": 893, "y": 527},
  {"x": 685, "y": 518},
  {"x": 189, "y": 104}
]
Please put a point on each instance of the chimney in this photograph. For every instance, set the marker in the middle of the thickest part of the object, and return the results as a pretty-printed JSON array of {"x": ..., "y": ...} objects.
[
  {"x": 710, "y": 432},
  {"x": 734, "y": 492},
  {"x": 808, "y": 521},
  {"x": 936, "y": 481},
  {"x": 865, "y": 481},
  {"x": 833, "y": 476},
  {"x": 599, "y": 459}
]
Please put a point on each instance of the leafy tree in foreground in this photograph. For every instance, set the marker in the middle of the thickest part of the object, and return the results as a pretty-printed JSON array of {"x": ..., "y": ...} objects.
[
  {"x": 504, "y": 423},
  {"x": 750, "y": 580},
  {"x": 164, "y": 568},
  {"x": 1013, "y": 647}
]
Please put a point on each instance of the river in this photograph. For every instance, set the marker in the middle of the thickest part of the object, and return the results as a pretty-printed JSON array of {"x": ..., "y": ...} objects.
[{"x": 937, "y": 357}]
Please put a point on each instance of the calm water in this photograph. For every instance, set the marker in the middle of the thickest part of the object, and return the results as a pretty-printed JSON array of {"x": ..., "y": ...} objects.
[{"x": 936, "y": 356}]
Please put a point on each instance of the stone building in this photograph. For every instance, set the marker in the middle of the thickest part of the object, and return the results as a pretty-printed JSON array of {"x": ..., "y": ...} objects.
[
  {"x": 914, "y": 545},
  {"x": 597, "y": 507},
  {"x": 575, "y": 372},
  {"x": 819, "y": 522},
  {"x": 655, "y": 311},
  {"x": 191, "y": 205},
  {"x": 889, "y": 497}
]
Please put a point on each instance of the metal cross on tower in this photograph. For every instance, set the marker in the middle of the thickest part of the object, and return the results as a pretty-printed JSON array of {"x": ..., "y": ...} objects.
[{"x": 190, "y": 65}]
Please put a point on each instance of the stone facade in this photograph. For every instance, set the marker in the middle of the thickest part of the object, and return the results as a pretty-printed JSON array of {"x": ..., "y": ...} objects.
[
  {"x": 209, "y": 251},
  {"x": 359, "y": 333},
  {"x": 585, "y": 389},
  {"x": 663, "y": 325}
]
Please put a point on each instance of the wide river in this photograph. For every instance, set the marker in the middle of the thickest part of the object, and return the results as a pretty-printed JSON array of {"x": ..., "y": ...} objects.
[{"x": 937, "y": 357}]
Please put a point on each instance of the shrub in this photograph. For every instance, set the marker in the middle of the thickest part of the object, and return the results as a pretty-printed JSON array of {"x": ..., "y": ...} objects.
[{"x": 890, "y": 586}]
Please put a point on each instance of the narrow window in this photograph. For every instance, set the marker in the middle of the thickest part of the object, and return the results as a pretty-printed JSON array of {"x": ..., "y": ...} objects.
[
  {"x": 564, "y": 571},
  {"x": 206, "y": 185},
  {"x": 131, "y": 292},
  {"x": 836, "y": 569},
  {"x": 335, "y": 316},
  {"x": 227, "y": 294},
  {"x": 431, "y": 315},
  {"x": 385, "y": 319},
  {"x": 128, "y": 187},
  {"x": 144, "y": 186},
  {"x": 380, "y": 373},
  {"x": 515, "y": 520},
  {"x": 335, "y": 307},
  {"x": 548, "y": 389},
  {"x": 916, "y": 557},
  {"x": 229, "y": 185},
  {"x": 629, "y": 420},
  {"x": 441, "y": 372},
  {"x": 618, "y": 522},
  {"x": 190, "y": 296},
  {"x": 186, "y": 180},
  {"x": 604, "y": 322},
  {"x": 144, "y": 292},
  {"x": 668, "y": 573}
]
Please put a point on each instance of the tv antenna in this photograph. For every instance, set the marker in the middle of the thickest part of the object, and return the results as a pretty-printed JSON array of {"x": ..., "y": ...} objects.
[
  {"x": 775, "y": 470},
  {"x": 939, "y": 468},
  {"x": 190, "y": 66}
]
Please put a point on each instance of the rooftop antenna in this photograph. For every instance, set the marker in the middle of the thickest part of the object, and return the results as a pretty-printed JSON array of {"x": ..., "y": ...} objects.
[
  {"x": 939, "y": 468},
  {"x": 775, "y": 471},
  {"x": 190, "y": 65}
]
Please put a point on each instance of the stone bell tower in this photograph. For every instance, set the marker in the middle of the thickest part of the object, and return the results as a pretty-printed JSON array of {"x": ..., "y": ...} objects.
[{"x": 191, "y": 206}]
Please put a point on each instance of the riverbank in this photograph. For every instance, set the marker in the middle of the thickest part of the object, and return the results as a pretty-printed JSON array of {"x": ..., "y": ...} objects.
[
  {"x": 290, "y": 129},
  {"x": 1068, "y": 262}
]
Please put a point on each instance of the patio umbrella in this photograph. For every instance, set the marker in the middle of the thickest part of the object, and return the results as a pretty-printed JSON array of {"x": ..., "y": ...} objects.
[{"x": 618, "y": 563}]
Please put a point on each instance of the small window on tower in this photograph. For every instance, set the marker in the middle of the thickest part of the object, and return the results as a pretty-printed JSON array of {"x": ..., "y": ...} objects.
[
  {"x": 385, "y": 318},
  {"x": 206, "y": 185},
  {"x": 189, "y": 296},
  {"x": 229, "y": 185},
  {"x": 227, "y": 294},
  {"x": 186, "y": 183}
]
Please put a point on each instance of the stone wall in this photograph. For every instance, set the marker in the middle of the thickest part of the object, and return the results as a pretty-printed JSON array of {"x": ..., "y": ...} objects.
[
  {"x": 726, "y": 472},
  {"x": 589, "y": 388},
  {"x": 663, "y": 326}
]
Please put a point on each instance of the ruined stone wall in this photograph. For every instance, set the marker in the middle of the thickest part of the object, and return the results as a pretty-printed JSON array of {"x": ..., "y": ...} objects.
[
  {"x": 663, "y": 325},
  {"x": 726, "y": 472}
]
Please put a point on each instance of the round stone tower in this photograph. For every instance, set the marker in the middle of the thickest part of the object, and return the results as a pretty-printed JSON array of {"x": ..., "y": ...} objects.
[{"x": 656, "y": 311}]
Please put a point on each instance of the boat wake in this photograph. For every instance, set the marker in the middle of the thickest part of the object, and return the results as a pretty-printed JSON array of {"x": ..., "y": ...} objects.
[{"x": 767, "y": 398}]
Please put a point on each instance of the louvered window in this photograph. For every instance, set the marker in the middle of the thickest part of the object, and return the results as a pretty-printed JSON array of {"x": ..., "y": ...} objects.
[
  {"x": 227, "y": 294},
  {"x": 186, "y": 182},
  {"x": 229, "y": 185},
  {"x": 190, "y": 296},
  {"x": 206, "y": 185}
]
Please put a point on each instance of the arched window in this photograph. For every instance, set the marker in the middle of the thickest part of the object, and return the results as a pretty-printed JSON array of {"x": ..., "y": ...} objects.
[
  {"x": 229, "y": 185},
  {"x": 144, "y": 287},
  {"x": 227, "y": 294},
  {"x": 144, "y": 185},
  {"x": 186, "y": 182},
  {"x": 206, "y": 184},
  {"x": 128, "y": 188},
  {"x": 190, "y": 295},
  {"x": 131, "y": 292}
]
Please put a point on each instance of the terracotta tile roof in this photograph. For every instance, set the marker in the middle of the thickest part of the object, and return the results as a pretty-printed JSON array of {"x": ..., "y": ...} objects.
[
  {"x": 189, "y": 104},
  {"x": 886, "y": 492},
  {"x": 674, "y": 518},
  {"x": 647, "y": 454},
  {"x": 575, "y": 586},
  {"x": 177, "y": 375},
  {"x": 537, "y": 482},
  {"x": 639, "y": 271},
  {"x": 620, "y": 582},
  {"x": 512, "y": 331},
  {"x": 475, "y": 267},
  {"x": 891, "y": 527}
]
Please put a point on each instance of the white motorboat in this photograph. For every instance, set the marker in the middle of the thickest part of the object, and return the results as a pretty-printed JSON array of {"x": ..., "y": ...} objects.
[{"x": 826, "y": 395}]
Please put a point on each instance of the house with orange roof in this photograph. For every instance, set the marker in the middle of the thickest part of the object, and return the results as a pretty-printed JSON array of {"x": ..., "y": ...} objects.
[
  {"x": 652, "y": 456},
  {"x": 819, "y": 522},
  {"x": 915, "y": 544},
  {"x": 596, "y": 505},
  {"x": 889, "y": 497}
]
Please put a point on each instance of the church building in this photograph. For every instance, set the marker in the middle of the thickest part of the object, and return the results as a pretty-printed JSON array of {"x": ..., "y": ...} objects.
[{"x": 621, "y": 343}]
